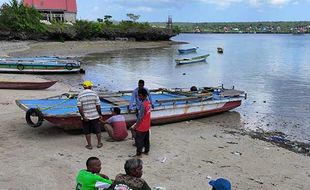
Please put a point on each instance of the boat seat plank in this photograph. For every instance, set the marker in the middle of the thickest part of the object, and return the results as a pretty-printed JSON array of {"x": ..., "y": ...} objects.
[
  {"x": 179, "y": 99},
  {"x": 116, "y": 101}
]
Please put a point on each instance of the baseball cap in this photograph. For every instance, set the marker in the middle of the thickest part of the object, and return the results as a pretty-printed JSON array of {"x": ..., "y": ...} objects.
[
  {"x": 220, "y": 184},
  {"x": 87, "y": 83}
]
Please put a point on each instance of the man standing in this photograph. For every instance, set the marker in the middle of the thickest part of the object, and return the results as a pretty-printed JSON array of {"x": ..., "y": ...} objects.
[
  {"x": 143, "y": 124},
  {"x": 135, "y": 98},
  {"x": 88, "y": 103}
]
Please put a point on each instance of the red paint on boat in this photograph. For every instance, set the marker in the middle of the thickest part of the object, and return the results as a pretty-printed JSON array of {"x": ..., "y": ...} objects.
[
  {"x": 74, "y": 122},
  {"x": 26, "y": 85}
]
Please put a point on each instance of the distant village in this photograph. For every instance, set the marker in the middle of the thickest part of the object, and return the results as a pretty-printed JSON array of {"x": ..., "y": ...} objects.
[{"x": 241, "y": 27}]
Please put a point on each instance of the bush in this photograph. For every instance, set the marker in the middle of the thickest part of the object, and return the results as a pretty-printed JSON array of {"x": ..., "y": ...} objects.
[
  {"x": 87, "y": 30},
  {"x": 20, "y": 18}
]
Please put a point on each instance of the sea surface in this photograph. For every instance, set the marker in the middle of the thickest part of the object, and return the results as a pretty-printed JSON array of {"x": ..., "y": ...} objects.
[{"x": 274, "y": 70}]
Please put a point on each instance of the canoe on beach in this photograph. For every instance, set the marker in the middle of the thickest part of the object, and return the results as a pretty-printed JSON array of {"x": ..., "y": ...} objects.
[
  {"x": 192, "y": 60},
  {"x": 39, "y": 65},
  {"x": 19, "y": 85},
  {"x": 171, "y": 105}
]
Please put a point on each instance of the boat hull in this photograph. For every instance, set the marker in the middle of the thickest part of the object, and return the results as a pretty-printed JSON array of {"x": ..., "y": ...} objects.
[
  {"x": 181, "y": 62},
  {"x": 39, "y": 65},
  {"x": 192, "y": 60},
  {"x": 158, "y": 116},
  {"x": 190, "y": 50},
  {"x": 170, "y": 105},
  {"x": 26, "y": 85}
]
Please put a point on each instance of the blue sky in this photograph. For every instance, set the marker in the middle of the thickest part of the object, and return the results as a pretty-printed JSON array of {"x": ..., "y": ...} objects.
[{"x": 196, "y": 10}]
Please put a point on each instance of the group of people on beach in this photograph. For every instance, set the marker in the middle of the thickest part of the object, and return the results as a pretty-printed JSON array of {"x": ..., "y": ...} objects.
[{"x": 88, "y": 103}]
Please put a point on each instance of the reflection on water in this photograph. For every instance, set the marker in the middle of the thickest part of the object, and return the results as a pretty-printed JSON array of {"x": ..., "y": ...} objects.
[{"x": 272, "y": 69}]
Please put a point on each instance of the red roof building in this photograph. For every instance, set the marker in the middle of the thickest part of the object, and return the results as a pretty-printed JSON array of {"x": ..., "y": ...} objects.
[{"x": 64, "y": 10}]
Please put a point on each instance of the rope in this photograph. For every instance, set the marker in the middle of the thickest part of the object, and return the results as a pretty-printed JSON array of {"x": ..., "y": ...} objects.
[{"x": 51, "y": 107}]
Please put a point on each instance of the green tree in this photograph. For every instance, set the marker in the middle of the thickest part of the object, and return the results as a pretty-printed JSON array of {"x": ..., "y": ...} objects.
[
  {"x": 20, "y": 18},
  {"x": 107, "y": 20},
  {"x": 133, "y": 17}
]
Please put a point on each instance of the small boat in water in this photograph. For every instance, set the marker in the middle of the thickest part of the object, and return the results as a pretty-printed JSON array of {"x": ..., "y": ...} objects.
[
  {"x": 188, "y": 50},
  {"x": 19, "y": 85},
  {"x": 192, "y": 60},
  {"x": 39, "y": 65},
  {"x": 171, "y": 105},
  {"x": 220, "y": 50}
]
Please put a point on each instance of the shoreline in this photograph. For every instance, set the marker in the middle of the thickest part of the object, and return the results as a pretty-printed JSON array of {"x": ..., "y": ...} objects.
[
  {"x": 194, "y": 150},
  {"x": 78, "y": 48}
]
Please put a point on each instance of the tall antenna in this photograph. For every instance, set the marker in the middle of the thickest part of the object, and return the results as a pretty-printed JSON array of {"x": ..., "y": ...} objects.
[{"x": 169, "y": 23}]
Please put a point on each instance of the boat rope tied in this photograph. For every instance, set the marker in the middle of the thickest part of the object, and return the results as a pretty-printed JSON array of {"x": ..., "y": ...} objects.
[{"x": 53, "y": 106}]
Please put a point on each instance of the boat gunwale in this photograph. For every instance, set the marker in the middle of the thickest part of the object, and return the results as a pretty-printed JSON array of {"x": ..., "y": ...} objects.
[{"x": 157, "y": 108}]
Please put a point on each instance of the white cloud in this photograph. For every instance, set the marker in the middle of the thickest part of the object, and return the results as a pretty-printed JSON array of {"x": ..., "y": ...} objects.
[
  {"x": 142, "y": 9},
  {"x": 279, "y": 2},
  {"x": 274, "y": 3},
  {"x": 221, "y": 3},
  {"x": 256, "y": 3}
]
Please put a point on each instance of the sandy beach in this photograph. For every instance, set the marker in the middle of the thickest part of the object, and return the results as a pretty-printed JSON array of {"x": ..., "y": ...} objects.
[{"x": 183, "y": 155}]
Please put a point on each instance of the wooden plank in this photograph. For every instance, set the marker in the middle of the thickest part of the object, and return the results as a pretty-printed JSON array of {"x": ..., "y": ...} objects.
[
  {"x": 179, "y": 99},
  {"x": 116, "y": 101}
]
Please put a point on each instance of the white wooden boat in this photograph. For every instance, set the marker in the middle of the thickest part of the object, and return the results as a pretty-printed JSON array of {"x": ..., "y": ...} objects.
[
  {"x": 39, "y": 65},
  {"x": 192, "y": 60},
  {"x": 172, "y": 105}
]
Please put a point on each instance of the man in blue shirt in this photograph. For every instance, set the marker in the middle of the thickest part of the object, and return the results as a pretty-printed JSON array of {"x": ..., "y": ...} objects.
[{"x": 135, "y": 98}]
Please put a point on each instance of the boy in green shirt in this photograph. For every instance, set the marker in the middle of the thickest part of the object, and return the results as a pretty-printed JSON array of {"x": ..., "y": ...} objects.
[{"x": 91, "y": 178}]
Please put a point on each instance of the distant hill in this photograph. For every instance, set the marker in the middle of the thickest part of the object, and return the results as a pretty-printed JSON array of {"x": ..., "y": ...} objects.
[{"x": 240, "y": 27}]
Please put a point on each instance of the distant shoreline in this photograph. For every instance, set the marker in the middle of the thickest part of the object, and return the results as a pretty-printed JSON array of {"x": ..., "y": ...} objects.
[{"x": 239, "y": 33}]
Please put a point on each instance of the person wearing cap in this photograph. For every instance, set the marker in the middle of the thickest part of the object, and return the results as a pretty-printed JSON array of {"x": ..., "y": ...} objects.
[
  {"x": 220, "y": 184},
  {"x": 88, "y": 104}
]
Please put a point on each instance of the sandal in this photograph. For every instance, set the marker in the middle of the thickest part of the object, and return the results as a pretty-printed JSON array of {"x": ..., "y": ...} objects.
[
  {"x": 99, "y": 145},
  {"x": 89, "y": 147}
]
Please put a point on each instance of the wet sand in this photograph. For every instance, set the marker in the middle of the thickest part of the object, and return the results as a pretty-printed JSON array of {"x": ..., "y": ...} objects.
[{"x": 194, "y": 151}]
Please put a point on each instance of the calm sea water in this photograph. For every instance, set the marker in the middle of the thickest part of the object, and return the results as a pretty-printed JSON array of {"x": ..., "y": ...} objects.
[{"x": 273, "y": 69}]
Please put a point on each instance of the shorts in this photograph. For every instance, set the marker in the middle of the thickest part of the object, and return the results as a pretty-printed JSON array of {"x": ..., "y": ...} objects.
[{"x": 91, "y": 126}]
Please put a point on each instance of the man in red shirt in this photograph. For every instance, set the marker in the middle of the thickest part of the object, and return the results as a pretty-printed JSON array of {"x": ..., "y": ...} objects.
[
  {"x": 116, "y": 125},
  {"x": 143, "y": 124}
]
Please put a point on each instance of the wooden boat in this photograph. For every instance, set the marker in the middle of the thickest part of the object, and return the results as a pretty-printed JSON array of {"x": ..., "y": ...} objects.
[
  {"x": 26, "y": 85},
  {"x": 220, "y": 50},
  {"x": 192, "y": 60},
  {"x": 39, "y": 65},
  {"x": 171, "y": 105},
  {"x": 188, "y": 50}
]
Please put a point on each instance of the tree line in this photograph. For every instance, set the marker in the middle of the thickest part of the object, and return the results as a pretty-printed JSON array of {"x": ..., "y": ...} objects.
[
  {"x": 241, "y": 27},
  {"x": 18, "y": 21}
]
